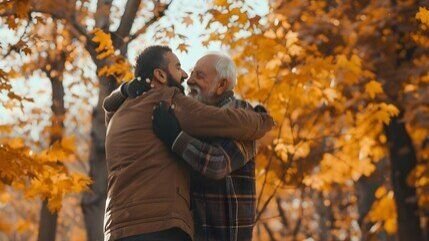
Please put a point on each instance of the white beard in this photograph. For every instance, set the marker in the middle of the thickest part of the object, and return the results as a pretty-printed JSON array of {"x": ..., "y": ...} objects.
[{"x": 195, "y": 92}]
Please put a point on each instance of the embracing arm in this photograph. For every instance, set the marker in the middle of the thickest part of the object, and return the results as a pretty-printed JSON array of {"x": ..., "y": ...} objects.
[
  {"x": 198, "y": 119},
  {"x": 214, "y": 160},
  {"x": 131, "y": 89},
  {"x": 112, "y": 102}
]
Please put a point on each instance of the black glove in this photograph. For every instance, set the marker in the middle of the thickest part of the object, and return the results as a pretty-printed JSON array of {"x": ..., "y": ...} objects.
[
  {"x": 135, "y": 88},
  {"x": 260, "y": 109},
  {"x": 165, "y": 124}
]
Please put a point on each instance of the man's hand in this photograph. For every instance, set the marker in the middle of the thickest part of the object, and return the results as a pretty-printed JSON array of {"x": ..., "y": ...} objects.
[
  {"x": 165, "y": 125},
  {"x": 135, "y": 88},
  {"x": 260, "y": 109}
]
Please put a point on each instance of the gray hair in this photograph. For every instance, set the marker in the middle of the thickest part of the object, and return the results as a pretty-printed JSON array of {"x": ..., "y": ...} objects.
[{"x": 225, "y": 68}]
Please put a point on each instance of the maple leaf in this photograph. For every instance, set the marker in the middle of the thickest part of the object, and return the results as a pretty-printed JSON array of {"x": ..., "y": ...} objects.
[
  {"x": 16, "y": 143},
  {"x": 221, "y": 3},
  {"x": 22, "y": 8},
  {"x": 5, "y": 128},
  {"x": 105, "y": 45},
  {"x": 384, "y": 210},
  {"x": 55, "y": 203},
  {"x": 373, "y": 88},
  {"x": 80, "y": 182},
  {"x": 170, "y": 34},
  {"x": 11, "y": 22},
  {"x": 183, "y": 47},
  {"x": 187, "y": 20},
  {"x": 69, "y": 143},
  {"x": 219, "y": 17},
  {"x": 254, "y": 20},
  {"x": 27, "y": 51}
]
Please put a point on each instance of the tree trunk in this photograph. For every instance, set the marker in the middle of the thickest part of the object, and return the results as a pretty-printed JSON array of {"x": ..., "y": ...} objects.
[
  {"x": 325, "y": 216},
  {"x": 365, "y": 192},
  {"x": 47, "y": 224},
  {"x": 48, "y": 220},
  {"x": 93, "y": 202},
  {"x": 403, "y": 159}
]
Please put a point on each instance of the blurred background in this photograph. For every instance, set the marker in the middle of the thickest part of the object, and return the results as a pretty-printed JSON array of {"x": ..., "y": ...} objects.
[{"x": 346, "y": 81}]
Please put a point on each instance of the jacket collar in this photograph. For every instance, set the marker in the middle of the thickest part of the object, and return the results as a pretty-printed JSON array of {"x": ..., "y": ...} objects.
[{"x": 225, "y": 98}]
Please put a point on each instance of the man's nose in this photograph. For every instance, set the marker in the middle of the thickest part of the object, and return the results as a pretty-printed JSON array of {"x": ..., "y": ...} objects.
[
  {"x": 190, "y": 80},
  {"x": 184, "y": 74}
]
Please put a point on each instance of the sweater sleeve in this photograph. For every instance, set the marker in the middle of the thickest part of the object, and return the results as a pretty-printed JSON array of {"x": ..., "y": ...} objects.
[
  {"x": 201, "y": 120},
  {"x": 112, "y": 103}
]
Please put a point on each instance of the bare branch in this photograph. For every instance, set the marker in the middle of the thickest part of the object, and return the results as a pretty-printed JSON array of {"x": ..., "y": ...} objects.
[
  {"x": 13, "y": 48},
  {"x": 128, "y": 18},
  {"x": 78, "y": 27},
  {"x": 153, "y": 20},
  {"x": 301, "y": 214},
  {"x": 268, "y": 166},
  {"x": 102, "y": 15},
  {"x": 270, "y": 232},
  {"x": 62, "y": 10},
  {"x": 282, "y": 213}
]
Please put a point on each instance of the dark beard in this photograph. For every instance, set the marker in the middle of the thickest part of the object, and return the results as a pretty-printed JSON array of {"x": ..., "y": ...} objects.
[{"x": 172, "y": 83}]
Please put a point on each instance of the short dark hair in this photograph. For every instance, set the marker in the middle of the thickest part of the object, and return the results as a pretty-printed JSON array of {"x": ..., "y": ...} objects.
[{"x": 150, "y": 59}]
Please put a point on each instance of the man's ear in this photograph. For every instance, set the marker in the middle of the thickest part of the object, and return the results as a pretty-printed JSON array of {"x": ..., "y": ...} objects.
[
  {"x": 221, "y": 86},
  {"x": 160, "y": 75}
]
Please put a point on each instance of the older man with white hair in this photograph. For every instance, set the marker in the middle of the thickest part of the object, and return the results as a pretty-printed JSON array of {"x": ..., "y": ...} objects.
[
  {"x": 223, "y": 178},
  {"x": 223, "y": 186}
]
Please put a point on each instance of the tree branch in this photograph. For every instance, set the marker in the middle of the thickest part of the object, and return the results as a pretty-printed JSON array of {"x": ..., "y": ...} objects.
[
  {"x": 13, "y": 47},
  {"x": 102, "y": 15},
  {"x": 127, "y": 20},
  {"x": 155, "y": 18},
  {"x": 269, "y": 232},
  {"x": 64, "y": 11},
  {"x": 282, "y": 213}
]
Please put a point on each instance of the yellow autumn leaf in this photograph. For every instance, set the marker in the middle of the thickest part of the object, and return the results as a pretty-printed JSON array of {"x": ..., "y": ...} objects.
[
  {"x": 423, "y": 15},
  {"x": 80, "y": 182},
  {"x": 353, "y": 65},
  {"x": 331, "y": 94},
  {"x": 373, "y": 88},
  {"x": 183, "y": 47},
  {"x": 4, "y": 197},
  {"x": 69, "y": 143},
  {"x": 220, "y": 3},
  {"x": 390, "y": 225},
  {"x": 220, "y": 17},
  {"x": 53, "y": 154},
  {"x": 105, "y": 54},
  {"x": 55, "y": 203},
  {"x": 5, "y": 227},
  {"x": 105, "y": 45},
  {"x": 383, "y": 210},
  {"x": 303, "y": 149},
  {"x": 78, "y": 234},
  {"x": 381, "y": 191},
  {"x": 273, "y": 64},
  {"x": 15, "y": 143},
  {"x": 23, "y": 226}
]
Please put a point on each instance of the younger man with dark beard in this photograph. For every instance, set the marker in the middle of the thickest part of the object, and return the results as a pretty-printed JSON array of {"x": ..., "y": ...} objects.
[{"x": 148, "y": 187}]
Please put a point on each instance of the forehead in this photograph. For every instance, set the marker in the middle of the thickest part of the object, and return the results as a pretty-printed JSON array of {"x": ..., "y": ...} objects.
[
  {"x": 206, "y": 64},
  {"x": 171, "y": 58}
]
